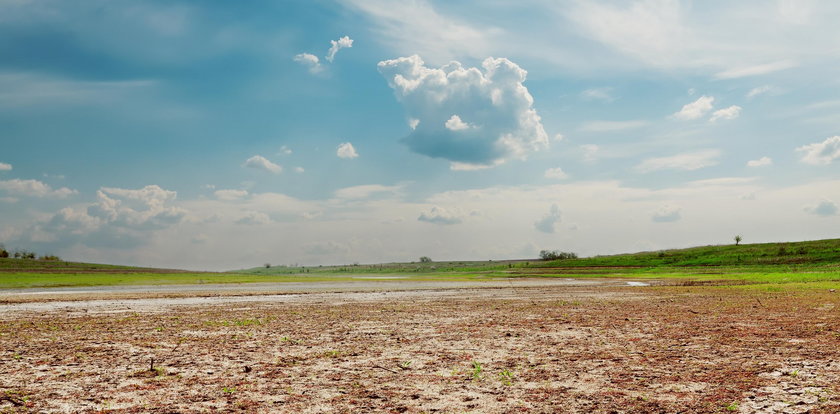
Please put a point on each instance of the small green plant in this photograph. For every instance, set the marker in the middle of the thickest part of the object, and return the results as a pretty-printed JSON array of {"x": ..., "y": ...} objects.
[
  {"x": 506, "y": 377},
  {"x": 476, "y": 370},
  {"x": 733, "y": 406},
  {"x": 794, "y": 373},
  {"x": 229, "y": 390},
  {"x": 405, "y": 364}
]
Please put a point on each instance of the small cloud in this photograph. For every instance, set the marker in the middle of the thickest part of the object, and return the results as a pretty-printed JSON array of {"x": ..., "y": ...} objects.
[
  {"x": 558, "y": 137},
  {"x": 761, "y": 162},
  {"x": 556, "y": 173},
  {"x": 590, "y": 151},
  {"x": 464, "y": 166},
  {"x": 824, "y": 208},
  {"x": 438, "y": 215},
  {"x": 756, "y": 70},
  {"x": 547, "y": 222},
  {"x": 337, "y": 45},
  {"x": 261, "y": 163},
  {"x": 326, "y": 248},
  {"x": 208, "y": 187},
  {"x": 299, "y": 170},
  {"x": 200, "y": 239},
  {"x": 456, "y": 124},
  {"x": 309, "y": 215},
  {"x": 345, "y": 150},
  {"x": 609, "y": 126},
  {"x": 230, "y": 195},
  {"x": 691, "y": 91},
  {"x": 666, "y": 214},
  {"x": 5, "y": 167},
  {"x": 34, "y": 188},
  {"x": 685, "y": 162},
  {"x": 696, "y": 109},
  {"x": 254, "y": 218},
  {"x": 310, "y": 61},
  {"x": 821, "y": 153},
  {"x": 413, "y": 122},
  {"x": 284, "y": 150},
  {"x": 759, "y": 90},
  {"x": 732, "y": 112},
  {"x": 365, "y": 191},
  {"x": 600, "y": 94}
]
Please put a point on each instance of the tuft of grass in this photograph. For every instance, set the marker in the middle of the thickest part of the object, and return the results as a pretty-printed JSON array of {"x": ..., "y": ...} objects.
[{"x": 475, "y": 373}]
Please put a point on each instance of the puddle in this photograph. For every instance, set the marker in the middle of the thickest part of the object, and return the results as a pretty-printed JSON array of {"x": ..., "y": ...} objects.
[{"x": 634, "y": 283}]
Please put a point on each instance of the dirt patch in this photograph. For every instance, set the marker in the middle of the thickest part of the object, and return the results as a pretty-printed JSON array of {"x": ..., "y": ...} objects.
[{"x": 550, "y": 349}]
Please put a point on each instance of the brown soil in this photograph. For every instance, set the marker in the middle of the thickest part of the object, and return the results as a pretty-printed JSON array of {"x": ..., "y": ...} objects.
[{"x": 693, "y": 349}]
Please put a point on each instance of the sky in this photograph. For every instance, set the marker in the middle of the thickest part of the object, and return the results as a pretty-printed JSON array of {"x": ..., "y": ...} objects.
[{"x": 222, "y": 135}]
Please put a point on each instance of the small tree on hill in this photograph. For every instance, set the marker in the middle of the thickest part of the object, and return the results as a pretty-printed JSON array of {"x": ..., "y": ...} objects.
[
  {"x": 738, "y": 239},
  {"x": 425, "y": 259}
]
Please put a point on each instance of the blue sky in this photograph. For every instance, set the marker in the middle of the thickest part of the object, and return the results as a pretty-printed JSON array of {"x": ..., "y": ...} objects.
[{"x": 217, "y": 135}]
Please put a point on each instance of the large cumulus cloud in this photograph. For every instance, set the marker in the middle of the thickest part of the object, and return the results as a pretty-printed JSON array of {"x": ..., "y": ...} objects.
[{"x": 465, "y": 114}]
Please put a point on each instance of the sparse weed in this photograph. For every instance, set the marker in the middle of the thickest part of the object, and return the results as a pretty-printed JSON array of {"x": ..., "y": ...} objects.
[
  {"x": 229, "y": 390},
  {"x": 733, "y": 406},
  {"x": 506, "y": 377},
  {"x": 475, "y": 374},
  {"x": 405, "y": 365}
]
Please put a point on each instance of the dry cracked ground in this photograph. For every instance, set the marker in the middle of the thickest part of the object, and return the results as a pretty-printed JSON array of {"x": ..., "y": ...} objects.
[{"x": 558, "y": 349}]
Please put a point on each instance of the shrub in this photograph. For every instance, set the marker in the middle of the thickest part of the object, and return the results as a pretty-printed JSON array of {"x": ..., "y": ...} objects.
[
  {"x": 556, "y": 255},
  {"x": 425, "y": 259}
]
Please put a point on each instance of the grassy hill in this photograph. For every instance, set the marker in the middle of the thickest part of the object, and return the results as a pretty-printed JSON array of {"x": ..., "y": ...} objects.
[
  {"x": 817, "y": 253},
  {"x": 59, "y": 266}
]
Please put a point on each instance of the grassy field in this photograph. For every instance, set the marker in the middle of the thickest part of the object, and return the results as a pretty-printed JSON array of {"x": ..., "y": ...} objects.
[{"x": 795, "y": 262}]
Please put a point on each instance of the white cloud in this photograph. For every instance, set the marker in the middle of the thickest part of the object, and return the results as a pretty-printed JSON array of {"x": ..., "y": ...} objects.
[
  {"x": 310, "y": 61},
  {"x": 760, "y": 162},
  {"x": 299, "y": 170},
  {"x": 284, "y": 150},
  {"x": 337, "y": 45},
  {"x": 5, "y": 167},
  {"x": 230, "y": 195},
  {"x": 590, "y": 151},
  {"x": 821, "y": 153},
  {"x": 261, "y": 163},
  {"x": 345, "y": 150},
  {"x": 34, "y": 188},
  {"x": 732, "y": 112},
  {"x": 686, "y": 161},
  {"x": 759, "y": 90},
  {"x": 558, "y": 137},
  {"x": 601, "y": 94},
  {"x": 365, "y": 191},
  {"x": 416, "y": 27},
  {"x": 456, "y": 124},
  {"x": 696, "y": 109},
  {"x": 556, "y": 173},
  {"x": 494, "y": 99},
  {"x": 439, "y": 215},
  {"x": 549, "y": 220},
  {"x": 254, "y": 218},
  {"x": 609, "y": 126},
  {"x": 666, "y": 214},
  {"x": 756, "y": 70},
  {"x": 824, "y": 208},
  {"x": 463, "y": 166}
]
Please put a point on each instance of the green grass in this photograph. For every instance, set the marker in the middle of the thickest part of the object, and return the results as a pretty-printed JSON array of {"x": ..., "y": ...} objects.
[{"x": 792, "y": 263}]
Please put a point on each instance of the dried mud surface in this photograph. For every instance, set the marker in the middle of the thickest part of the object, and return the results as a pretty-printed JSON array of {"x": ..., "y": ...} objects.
[{"x": 606, "y": 349}]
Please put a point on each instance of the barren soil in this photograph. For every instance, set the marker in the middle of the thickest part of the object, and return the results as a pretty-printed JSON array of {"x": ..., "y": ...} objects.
[{"x": 694, "y": 349}]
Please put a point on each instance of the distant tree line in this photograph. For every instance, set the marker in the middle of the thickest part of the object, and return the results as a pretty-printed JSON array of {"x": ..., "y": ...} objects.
[
  {"x": 556, "y": 255},
  {"x": 24, "y": 254}
]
